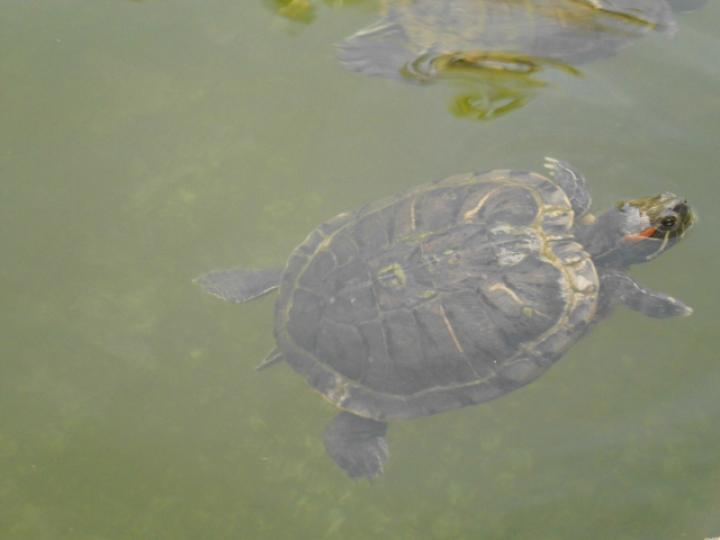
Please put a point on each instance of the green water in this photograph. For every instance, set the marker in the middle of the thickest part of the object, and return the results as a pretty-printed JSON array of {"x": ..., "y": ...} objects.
[{"x": 144, "y": 143}]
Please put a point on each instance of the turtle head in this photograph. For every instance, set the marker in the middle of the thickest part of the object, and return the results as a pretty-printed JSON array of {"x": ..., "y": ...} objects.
[
  {"x": 653, "y": 224},
  {"x": 639, "y": 230}
]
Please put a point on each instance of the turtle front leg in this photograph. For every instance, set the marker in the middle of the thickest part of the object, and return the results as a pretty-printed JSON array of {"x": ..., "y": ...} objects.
[
  {"x": 357, "y": 444},
  {"x": 618, "y": 288},
  {"x": 573, "y": 184}
]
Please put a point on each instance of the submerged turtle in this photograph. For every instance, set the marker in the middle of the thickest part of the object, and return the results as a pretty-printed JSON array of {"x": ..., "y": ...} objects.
[
  {"x": 453, "y": 293},
  {"x": 497, "y": 44}
]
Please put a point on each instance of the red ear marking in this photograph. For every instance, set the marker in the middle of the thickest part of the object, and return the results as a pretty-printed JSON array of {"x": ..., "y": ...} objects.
[{"x": 642, "y": 235}]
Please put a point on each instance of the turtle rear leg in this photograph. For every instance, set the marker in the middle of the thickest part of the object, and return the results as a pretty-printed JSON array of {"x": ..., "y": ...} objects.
[
  {"x": 357, "y": 444},
  {"x": 240, "y": 284}
]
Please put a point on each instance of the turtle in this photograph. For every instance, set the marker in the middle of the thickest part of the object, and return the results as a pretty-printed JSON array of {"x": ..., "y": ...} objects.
[
  {"x": 453, "y": 293},
  {"x": 497, "y": 46}
]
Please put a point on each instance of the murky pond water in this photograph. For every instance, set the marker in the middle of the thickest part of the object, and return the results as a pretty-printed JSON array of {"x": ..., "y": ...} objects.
[{"x": 146, "y": 142}]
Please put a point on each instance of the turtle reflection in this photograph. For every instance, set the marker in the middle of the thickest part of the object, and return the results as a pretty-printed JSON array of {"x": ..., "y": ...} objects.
[
  {"x": 296, "y": 10},
  {"x": 686, "y": 5},
  {"x": 496, "y": 49},
  {"x": 304, "y": 11}
]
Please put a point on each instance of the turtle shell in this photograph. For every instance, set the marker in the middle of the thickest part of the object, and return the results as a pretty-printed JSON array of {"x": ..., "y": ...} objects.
[{"x": 451, "y": 294}]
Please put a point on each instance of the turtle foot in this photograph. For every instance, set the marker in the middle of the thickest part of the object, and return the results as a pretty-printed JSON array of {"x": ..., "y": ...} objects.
[{"x": 357, "y": 445}]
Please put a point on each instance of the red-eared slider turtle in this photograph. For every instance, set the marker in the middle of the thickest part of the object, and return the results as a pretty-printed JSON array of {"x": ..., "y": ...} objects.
[
  {"x": 496, "y": 46},
  {"x": 453, "y": 293}
]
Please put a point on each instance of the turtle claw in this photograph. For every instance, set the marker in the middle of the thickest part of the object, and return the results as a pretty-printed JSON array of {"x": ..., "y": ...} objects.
[
  {"x": 662, "y": 306},
  {"x": 357, "y": 445}
]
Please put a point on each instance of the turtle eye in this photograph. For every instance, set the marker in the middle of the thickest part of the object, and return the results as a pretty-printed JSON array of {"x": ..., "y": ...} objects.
[{"x": 668, "y": 223}]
